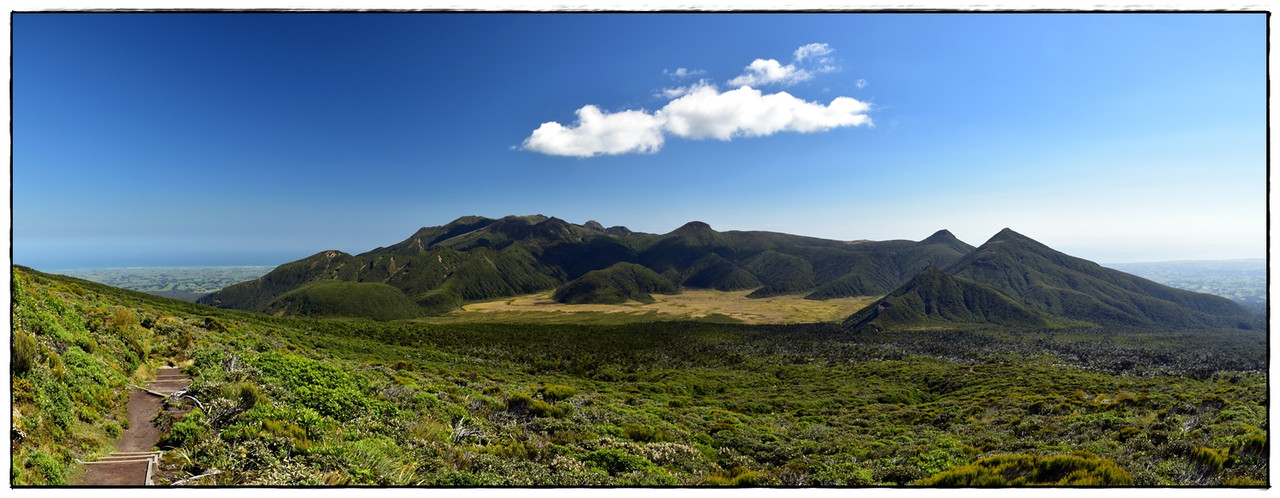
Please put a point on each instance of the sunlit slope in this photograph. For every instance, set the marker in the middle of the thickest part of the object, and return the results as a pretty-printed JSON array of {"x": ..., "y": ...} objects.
[
  {"x": 1014, "y": 281},
  {"x": 936, "y": 299},
  {"x": 1052, "y": 282}
]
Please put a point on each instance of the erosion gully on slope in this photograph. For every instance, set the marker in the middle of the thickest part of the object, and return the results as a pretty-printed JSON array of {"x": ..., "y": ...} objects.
[{"x": 134, "y": 463}]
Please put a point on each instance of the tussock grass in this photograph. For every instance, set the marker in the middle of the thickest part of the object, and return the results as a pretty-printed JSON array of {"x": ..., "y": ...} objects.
[{"x": 692, "y": 304}]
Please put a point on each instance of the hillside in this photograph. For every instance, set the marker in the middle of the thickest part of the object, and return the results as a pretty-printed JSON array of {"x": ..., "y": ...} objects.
[
  {"x": 935, "y": 299},
  {"x": 1049, "y": 281},
  {"x": 619, "y": 283},
  {"x": 475, "y": 259},
  {"x": 285, "y": 401},
  {"x": 338, "y": 298}
]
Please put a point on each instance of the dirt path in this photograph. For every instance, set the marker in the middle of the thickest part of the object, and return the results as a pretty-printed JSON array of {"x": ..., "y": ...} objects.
[{"x": 134, "y": 463}]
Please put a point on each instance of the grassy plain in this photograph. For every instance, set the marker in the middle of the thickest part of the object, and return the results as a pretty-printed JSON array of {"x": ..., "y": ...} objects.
[{"x": 701, "y": 305}]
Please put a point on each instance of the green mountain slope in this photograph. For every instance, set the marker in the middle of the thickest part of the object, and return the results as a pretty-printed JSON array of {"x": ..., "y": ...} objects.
[
  {"x": 619, "y": 283},
  {"x": 475, "y": 258},
  {"x": 352, "y": 299},
  {"x": 1060, "y": 285},
  {"x": 935, "y": 299}
]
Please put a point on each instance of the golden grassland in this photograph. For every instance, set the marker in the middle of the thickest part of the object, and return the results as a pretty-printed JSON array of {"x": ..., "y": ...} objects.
[{"x": 709, "y": 305}]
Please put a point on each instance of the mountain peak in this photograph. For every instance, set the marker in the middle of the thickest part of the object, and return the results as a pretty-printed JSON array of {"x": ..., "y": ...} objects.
[
  {"x": 464, "y": 220},
  {"x": 1008, "y": 234},
  {"x": 943, "y": 235},
  {"x": 694, "y": 227}
]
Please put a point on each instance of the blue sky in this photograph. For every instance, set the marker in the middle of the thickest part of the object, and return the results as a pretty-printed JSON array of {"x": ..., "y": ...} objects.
[{"x": 223, "y": 139}]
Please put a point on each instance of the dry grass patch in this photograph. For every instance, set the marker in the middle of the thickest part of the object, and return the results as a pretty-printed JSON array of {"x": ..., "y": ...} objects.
[{"x": 690, "y": 304}]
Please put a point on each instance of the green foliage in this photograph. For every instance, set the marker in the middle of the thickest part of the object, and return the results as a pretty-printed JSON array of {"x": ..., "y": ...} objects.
[
  {"x": 522, "y": 404},
  {"x": 616, "y": 461},
  {"x": 47, "y": 469},
  {"x": 1049, "y": 281},
  {"x": 376, "y": 301},
  {"x": 1025, "y": 470},
  {"x": 556, "y": 392},
  {"x": 293, "y": 401},
  {"x": 186, "y": 432},
  {"x": 321, "y": 386},
  {"x": 476, "y": 258},
  {"x": 24, "y": 354},
  {"x": 617, "y": 284},
  {"x": 934, "y": 298}
]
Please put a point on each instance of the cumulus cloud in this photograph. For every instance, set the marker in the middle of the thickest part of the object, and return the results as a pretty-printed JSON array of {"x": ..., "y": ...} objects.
[
  {"x": 597, "y": 132},
  {"x": 679, "y": 91},
  {"x": 708, "y": 113},
  {"x": 862, "y": 83},
  {"x": 768, "y": 71},
  {"x": 808, "y": 60},
  {"x": 704, "y": 112},
  {"x": 813, "y": 50}
]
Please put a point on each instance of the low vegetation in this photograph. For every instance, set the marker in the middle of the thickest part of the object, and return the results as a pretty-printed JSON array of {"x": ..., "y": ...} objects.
[
  {"x": 297, "y": 401},
  {"x": 335, "y": 298}
]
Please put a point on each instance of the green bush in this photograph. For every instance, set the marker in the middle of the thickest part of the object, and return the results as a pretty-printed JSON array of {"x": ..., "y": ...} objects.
[
  {"x": 555, "y": 392},
  {"x": 1030, "y": 470},
  {"x": 616, "y": 461},
  {"x": 25, "y": 352},
  {"x": 50, "y": 469},
  {"x": 185, "y": 432},
  {"x": 521, "y": 404}
]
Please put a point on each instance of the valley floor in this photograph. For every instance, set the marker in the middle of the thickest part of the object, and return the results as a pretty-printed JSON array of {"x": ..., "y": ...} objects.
[{"x": 692, "y": 304}]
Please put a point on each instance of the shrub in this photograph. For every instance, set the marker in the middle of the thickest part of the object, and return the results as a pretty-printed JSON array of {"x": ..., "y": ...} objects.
[
  {"x": 554, "y": 392},
  {"x": 521, "y": 404},
  {"x": 1024, "y": 470},
  {"x": 737, "y": 477},
  {"x": 643, "y": 433},
  {"x": 185, "y": 432},
  {"x": 1208, "y": 461},
  {"x": 615, "y": 461},
  {"x": 25, "y": 352},
  {"x": 53, "y": 471}
]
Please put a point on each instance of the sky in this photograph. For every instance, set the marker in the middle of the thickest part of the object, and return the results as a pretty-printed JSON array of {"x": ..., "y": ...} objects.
[{"x": 189, "y": 139}]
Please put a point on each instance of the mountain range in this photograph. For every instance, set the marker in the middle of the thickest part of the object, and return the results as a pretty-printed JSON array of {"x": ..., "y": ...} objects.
[
  {"x": 1013, "y": 280},
  {"x": 1010, "y": 280}
]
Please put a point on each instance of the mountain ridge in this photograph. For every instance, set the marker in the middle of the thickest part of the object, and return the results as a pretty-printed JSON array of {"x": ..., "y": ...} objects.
[
  {"x": 1010, "y": 280},
  {"x": 474, "y": 258},
  {"x": 1023, "y": 278}
]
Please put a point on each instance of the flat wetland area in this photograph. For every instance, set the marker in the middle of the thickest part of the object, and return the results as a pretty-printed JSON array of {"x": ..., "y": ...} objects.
[{"x": 702, "y": 305}]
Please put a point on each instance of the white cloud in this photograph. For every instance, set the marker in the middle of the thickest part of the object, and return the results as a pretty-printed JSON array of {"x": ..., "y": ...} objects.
[
  {"x": 862, "y": 83},
  {"x": 708, "y": 113},
  {"x": 598, "y": 133},
  {"x": 703, "y": 112},
  {"x": 809, "y": 60},
  {"x": 812, "y": 50},
  {"x": 768, "y": 71},
  {"x": 683, "y": 72},
  {"x": 679, "y": 91}
]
